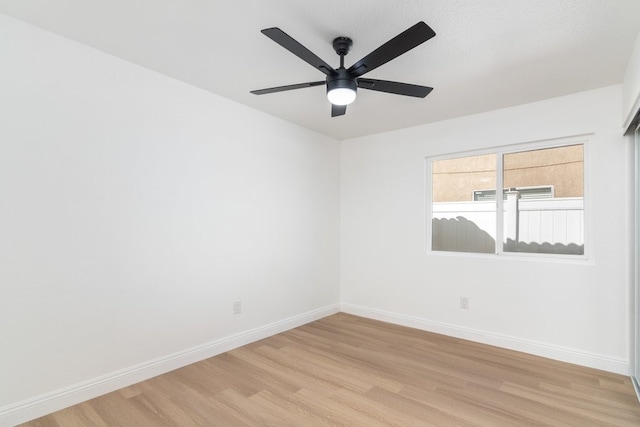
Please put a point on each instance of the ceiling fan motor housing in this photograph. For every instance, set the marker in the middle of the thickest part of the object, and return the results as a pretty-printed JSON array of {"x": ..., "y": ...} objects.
[{"x": 341, "y": 80}]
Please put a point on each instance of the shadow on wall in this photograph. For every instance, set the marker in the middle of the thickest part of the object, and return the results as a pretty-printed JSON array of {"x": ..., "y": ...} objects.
[{"x": 462, "y": 235}]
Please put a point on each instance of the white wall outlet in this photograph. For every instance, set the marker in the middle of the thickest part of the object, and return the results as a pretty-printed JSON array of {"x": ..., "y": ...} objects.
[
  {"x": 237, "y": 307},
  {"x": 464, "y": 302}
]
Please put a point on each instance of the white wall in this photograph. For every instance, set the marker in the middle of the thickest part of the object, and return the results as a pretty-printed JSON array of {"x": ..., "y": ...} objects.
[
  {"x": 134, "y": 209},
  {"x": 631, "y": 86},
  {"x": 577, "y": 312}
]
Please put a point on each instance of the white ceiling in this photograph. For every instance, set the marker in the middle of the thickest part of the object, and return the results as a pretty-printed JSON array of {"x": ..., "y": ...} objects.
[{"x": 487, "y": 54}]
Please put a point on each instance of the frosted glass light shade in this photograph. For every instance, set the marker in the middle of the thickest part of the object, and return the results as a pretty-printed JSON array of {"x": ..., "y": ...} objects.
[{"x": 341, "y": 96}]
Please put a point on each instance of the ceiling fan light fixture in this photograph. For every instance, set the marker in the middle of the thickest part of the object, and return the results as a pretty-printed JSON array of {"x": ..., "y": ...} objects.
[
  {"x": 341, "y": 89},
  {"x": 341, "y": 96}
]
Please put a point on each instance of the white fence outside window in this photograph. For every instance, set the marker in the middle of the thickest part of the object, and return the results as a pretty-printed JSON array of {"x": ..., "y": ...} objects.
[{"x": 558, "y": 221}]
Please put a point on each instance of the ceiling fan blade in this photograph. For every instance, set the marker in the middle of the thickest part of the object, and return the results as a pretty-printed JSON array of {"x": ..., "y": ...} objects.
[
  {"x": 338, "y": 110},
  {"x": 288, "y": 87},
  {"x": 394, "y": 87},
  {"x": 395, "y": 47},
  {"x": 289, "y": 43}
]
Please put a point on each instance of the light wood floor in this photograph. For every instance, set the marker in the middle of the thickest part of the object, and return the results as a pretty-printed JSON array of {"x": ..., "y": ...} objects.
[{"x": 346, "y": 370}]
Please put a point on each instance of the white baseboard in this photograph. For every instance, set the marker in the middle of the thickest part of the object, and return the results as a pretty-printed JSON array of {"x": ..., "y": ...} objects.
[
  {"x": 38, "y": 406},
  {"x": 564, "y": 354}
]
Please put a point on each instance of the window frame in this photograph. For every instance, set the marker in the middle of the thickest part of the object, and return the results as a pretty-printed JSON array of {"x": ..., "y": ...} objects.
[{"x": 499, "y": 152}]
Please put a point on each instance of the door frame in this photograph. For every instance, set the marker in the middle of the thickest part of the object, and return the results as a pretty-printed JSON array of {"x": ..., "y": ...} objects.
[{"x": 635, "y": 356}]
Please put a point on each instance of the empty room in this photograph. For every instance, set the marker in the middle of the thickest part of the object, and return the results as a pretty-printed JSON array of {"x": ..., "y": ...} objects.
[{"x": 301, "y": 213}]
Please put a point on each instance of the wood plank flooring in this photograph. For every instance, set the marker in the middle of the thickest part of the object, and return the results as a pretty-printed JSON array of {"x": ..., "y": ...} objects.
[{"x": 345, "y": 370}]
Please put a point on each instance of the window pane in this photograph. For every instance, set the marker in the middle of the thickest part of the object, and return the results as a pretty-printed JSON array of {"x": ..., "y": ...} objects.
[
  {"x": 461, "y": 222},
  {"x": 544, "y": 201}
]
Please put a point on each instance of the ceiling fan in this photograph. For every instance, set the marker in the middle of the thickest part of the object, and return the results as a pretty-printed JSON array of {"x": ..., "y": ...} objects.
[{"x": 342, "y": 83}]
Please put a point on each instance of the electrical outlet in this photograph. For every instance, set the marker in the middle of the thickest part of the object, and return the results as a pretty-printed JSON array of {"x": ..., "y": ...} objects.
[
  {"x": 237, "y": 307},
  {"x": 464, "y": 303}
]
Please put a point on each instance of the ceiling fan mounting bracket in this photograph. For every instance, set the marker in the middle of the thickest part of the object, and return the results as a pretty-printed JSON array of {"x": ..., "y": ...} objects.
[{"x": 342, "y": 45}]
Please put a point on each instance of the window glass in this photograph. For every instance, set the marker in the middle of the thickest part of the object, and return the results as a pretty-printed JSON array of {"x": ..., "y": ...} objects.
[
  {"x": 544, "y": 223},
  {"x": 459, "y": 223}
]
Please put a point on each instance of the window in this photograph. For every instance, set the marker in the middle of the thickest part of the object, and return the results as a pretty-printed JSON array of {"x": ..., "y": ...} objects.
[{"x": 539, "y": 208}]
